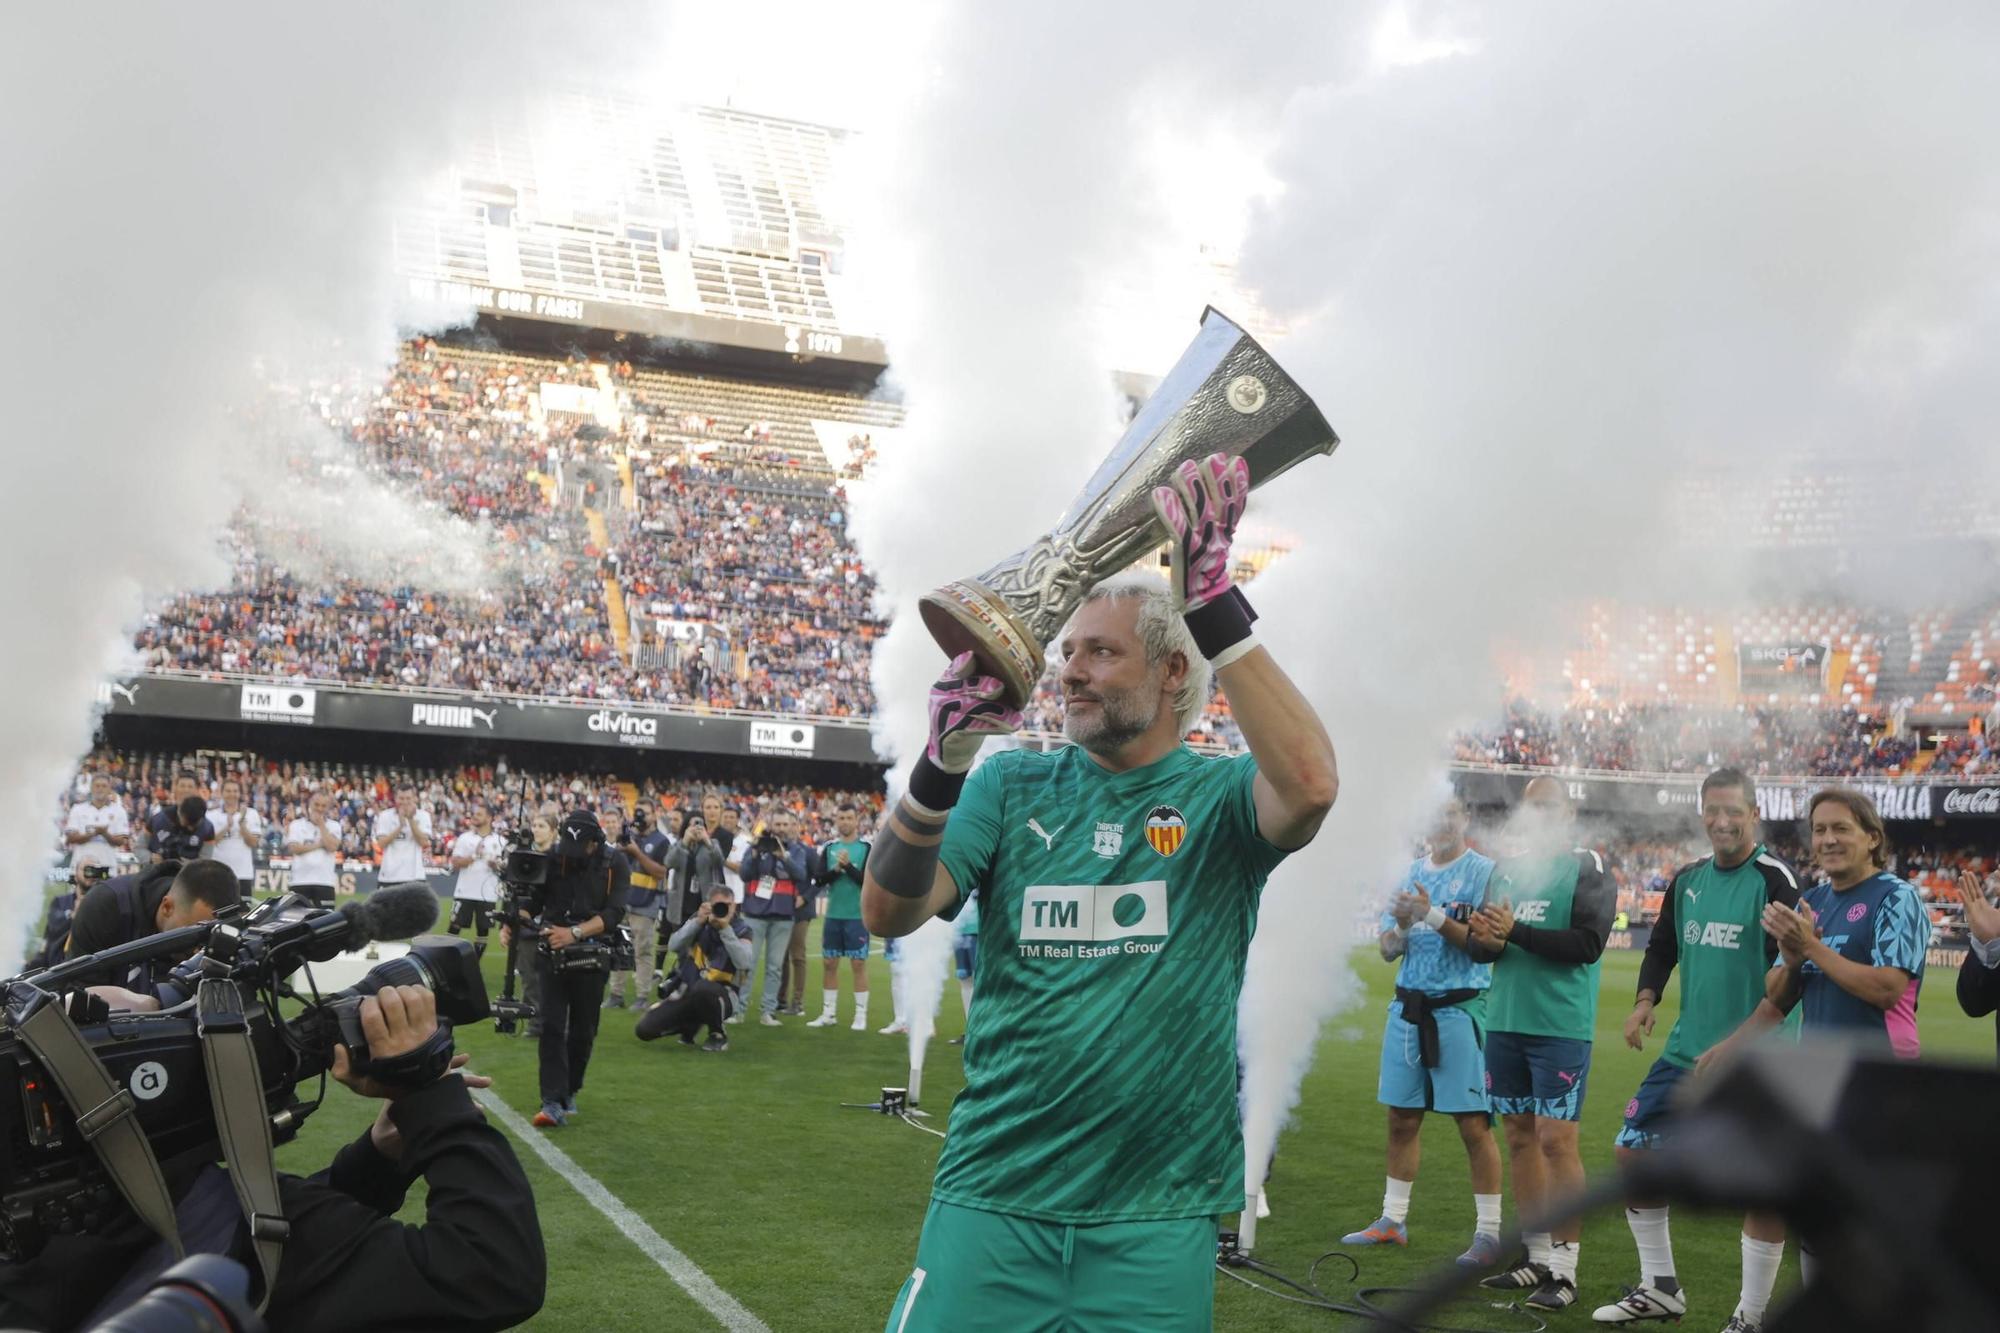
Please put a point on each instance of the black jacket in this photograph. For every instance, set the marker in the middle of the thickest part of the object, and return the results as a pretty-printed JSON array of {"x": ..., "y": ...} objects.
[
  {"x": 121, "y": 909},
  {"x": 55, "y": 930},
  {"x": 596, "y": 887},
  {"x": 476, "y": 1262},
  {"x": 1979, "y": 992}
]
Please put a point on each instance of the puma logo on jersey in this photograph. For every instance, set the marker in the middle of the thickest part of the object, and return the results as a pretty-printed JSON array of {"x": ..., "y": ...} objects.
[
  {"x": 1048, "y": 839},
  {"x": 1531, "y": 912}
]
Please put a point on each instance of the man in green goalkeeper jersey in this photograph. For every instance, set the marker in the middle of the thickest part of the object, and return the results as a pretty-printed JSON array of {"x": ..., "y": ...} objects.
[
  {"x": 1097, "y": 1138},
  {"x": 1709, "y": 930}
]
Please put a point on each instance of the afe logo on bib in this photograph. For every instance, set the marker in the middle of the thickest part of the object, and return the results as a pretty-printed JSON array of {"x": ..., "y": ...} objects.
[
  {"x": 1532, "y": 912},
  {"x": 1166, "y": 829}
]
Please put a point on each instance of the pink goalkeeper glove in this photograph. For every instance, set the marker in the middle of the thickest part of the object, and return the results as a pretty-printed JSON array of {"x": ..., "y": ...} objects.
[{"x": 1201, "y": 507}]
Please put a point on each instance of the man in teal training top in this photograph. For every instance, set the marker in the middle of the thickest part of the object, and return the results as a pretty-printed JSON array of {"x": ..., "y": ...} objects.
[{"x": 1097, "y": 1138}]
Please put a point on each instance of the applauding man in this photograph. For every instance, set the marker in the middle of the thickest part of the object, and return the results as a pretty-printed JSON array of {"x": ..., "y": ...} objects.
[
  {"x": 1545, "y": 923},
  {"x": 1433, "y": 1051},
  {"x": 1851, "y": 954},
  {"x": 1979, "y": 974},
  {"x": 1097, "y": 1139},
  {"x": 403, "y": 837}
]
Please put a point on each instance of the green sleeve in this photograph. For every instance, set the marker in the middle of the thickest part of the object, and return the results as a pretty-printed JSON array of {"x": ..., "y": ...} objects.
[
  {"x": 1240, "y": 807},
  {"x": 972, "y": 835}
]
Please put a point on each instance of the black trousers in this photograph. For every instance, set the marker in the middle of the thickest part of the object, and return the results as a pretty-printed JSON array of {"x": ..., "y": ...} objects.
[
  {"x": 704, "y": 1003},
  {"x": 569, "y": 1004},
  {"x": 465, "y": 912}
]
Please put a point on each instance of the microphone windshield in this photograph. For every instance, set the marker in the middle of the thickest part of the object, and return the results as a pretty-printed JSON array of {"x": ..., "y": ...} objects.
[{"x": 396, "y": 913}]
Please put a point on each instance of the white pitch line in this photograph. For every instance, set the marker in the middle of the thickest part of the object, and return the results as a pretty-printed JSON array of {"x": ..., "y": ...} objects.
[{"x": 687, "y": 1275}]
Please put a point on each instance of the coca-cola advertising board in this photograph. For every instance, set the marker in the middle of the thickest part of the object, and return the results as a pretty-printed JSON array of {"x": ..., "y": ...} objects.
[{"x": 1970, "y": 802}]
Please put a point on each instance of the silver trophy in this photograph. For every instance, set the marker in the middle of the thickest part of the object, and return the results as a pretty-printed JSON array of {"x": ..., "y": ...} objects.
[{"x": 1225, "y": 395}]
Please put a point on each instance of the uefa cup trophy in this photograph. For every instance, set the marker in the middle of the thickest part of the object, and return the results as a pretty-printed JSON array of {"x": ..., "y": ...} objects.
[{"x": 1225, "y": 395}]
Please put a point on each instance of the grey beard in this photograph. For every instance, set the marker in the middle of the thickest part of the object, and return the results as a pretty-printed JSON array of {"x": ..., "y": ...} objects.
[{"x": 1118, "y": 722}]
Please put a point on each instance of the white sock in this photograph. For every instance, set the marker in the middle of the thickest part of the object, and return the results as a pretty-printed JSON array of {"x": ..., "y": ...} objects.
[
  {"x": 1538, "y": 1243},
  {"x": 861, "y": 1009},
  {"x": 832, "y": 1002},
  {"x": 1808, "y": 1264},
  {"x": 1487, "y": 1207},
  {"x": 1396, "y": 1200},
  {"x": 965, "y": 994},
  {"x": 1656, "y": 1248},
  {"x": 1562, "y": 1258},
  {"x": 1761, "y": 1260}
]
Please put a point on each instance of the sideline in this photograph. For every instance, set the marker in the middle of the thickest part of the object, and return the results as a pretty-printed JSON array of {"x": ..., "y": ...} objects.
[{"x": 727, "y": 1310}]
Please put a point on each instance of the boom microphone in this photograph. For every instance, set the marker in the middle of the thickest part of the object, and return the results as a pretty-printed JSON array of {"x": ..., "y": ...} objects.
[
  {"x": 392, "y": 914},
  {"x": 397, "y": 913}
]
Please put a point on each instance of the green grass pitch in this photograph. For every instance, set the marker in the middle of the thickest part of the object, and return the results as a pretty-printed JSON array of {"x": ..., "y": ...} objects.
[{"x": 824, "y": 1204}]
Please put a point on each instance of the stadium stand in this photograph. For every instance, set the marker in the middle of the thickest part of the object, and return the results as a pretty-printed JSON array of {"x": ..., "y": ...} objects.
[{"x": 142, "y": 781}]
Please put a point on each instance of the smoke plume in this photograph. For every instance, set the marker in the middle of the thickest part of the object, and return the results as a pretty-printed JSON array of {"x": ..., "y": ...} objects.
[
  {"x": 1539, "y": 265},
  {"x": 190, "y": 191}
]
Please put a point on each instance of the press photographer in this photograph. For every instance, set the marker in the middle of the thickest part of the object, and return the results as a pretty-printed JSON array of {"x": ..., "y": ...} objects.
[
  {"x": 776, "y": 871},
  {"x": 644, "y": 847},
  {"x": 572, "y": 916},
  {"x": 180, "y": 833},
  {"x": 62, "y": 911},
  {"x": 714, "y": 950},
  {"x": 103, "y": 1189}
]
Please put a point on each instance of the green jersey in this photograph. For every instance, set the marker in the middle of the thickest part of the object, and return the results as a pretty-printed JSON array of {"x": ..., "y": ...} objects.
[
  {"x": 1710, "y": 927},
  {"x": 1545, "y": 980},
  {"x": 843, "y": 894},
  {"x": 1115, "y": 915}
]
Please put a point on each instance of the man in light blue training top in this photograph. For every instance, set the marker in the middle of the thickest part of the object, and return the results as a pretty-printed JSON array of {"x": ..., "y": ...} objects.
[
  {"x": 1434, "y": 1048},
  {"x": 965, "y": 956}
]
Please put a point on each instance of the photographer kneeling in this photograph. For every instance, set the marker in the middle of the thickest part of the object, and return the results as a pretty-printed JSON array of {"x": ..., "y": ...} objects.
[
  {"x": 477, "y": 1262},
  {"x": 581, "y": 899},
  {"x": 714, "y": 948}
]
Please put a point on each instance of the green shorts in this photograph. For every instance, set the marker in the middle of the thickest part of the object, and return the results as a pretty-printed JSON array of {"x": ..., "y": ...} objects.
[{"x": 979, "y": 1271}]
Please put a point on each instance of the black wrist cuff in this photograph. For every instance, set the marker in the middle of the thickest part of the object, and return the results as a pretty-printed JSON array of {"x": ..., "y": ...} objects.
[
  {"x": 1221, "y": 624},
  {"x": 933, "y": 788}
]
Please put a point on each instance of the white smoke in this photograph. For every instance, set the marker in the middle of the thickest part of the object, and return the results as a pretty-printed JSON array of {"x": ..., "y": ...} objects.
[
  {"x": 190, "y": 191},
  {"x": 1538, "y": 263}
]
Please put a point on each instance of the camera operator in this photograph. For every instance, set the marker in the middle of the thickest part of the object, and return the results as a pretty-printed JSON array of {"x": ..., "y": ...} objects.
[
  {"x": 182, "y": 832},
  {"x": 775, "y": 873},
  {"x": 62, "y": 911},
  {"x": 714, "y": 948},
  {"x": 477, "y": 1262},
  {"x": 159, "y": 898},
  {"x": 582, "y": 899},
  {"x": 644, "y": 848}
]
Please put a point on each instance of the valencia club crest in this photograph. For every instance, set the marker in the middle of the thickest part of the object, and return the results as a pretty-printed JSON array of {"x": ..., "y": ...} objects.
[{"x": 1165, "y": 829}]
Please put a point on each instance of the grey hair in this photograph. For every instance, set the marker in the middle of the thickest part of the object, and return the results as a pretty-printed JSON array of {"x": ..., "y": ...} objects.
[{"x": 1163, "y": 633}]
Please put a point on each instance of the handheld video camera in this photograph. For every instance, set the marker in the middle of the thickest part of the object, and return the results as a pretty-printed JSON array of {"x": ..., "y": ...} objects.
[
  {"x": 523, "y": 875},
  {"x": 51, "y": 1181}
]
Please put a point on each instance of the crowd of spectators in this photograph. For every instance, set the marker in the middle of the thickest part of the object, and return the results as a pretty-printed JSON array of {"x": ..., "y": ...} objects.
[
  {"x": 741, "y": 586},
  {"x": 755, "y": 560},
  {"x": 142, "y": 782},
  {"x": 1798, "y": 741}
]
